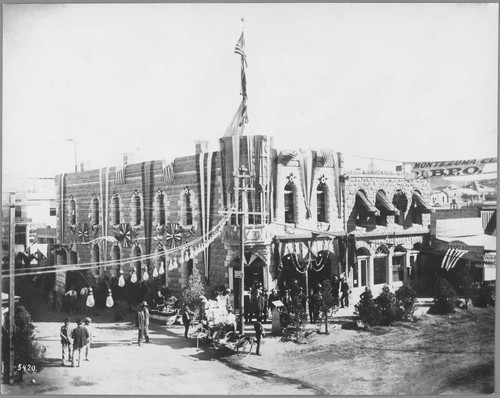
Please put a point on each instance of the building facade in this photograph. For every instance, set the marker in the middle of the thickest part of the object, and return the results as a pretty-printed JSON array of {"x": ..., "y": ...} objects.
[{"x": 306, "y": 218}]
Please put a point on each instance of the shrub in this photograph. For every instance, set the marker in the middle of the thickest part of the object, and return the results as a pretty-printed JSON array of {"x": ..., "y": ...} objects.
[
  {"x": 445, "y": 298},
  {"x": 294, "y": 321},
  {"x": 367, "y": 311},
  {"x": 390, "y": 310},
  {"x": 191, "y": 294},
  {"x": 484, "y": 295},
  {"x": 406, "y": 297},
  {"x": 26, "y": 349}
]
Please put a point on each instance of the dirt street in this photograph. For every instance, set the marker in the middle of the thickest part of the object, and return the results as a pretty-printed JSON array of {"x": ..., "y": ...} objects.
[{"x": 436, "y": 355}]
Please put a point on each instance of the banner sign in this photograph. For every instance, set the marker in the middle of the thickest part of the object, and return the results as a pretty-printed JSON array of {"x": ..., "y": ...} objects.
[{"x": 449, "y": 168}]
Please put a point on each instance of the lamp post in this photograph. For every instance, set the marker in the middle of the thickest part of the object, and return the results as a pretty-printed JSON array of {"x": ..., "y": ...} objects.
[{"x": 74, "y": 145}]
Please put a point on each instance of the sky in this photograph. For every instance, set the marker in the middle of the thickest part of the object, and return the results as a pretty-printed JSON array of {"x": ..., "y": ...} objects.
[{"x": 402, "y": 82}]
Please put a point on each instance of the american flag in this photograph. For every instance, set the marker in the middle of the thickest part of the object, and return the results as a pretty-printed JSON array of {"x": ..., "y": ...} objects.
[
  {"x": 451, "y": 258},
  {"x": 240, "y": 48}
]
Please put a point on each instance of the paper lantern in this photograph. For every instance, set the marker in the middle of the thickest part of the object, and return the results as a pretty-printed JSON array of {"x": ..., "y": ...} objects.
[
  {"x": 109, "y": 299},
  {"x": 121, "y": 280},
  {"x": 162, "y": 270},
  {"x": 155, "y": 272},
  {"x": 90, "y": 299},
  {"x": 133, "y": 278},
  {"x": 145, "y": 275}
]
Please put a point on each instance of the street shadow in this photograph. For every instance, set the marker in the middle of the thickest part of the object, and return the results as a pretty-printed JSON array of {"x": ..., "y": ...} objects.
[
  {"x": 267, "y": 375},
  {"x": 53, "y": 363}
]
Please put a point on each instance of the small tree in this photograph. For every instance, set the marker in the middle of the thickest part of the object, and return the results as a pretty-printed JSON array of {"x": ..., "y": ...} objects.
[
  {"x": 294, "y": 321},
  {"x": 406, "y": 297},
  {"x": 445, "y": 298},
  {"x": 191, "y": 294},
  {"x": 327, "y": 301},
  {"x": 26, "y": 349},
  {"x": 389, "y": 308},
  {"x": 367, "y": 310}
]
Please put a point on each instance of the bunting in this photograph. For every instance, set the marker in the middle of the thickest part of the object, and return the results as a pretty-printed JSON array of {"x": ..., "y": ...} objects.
[
  {"x": 306, "y": 159},
  {"x": 168, "y": 171},
  {"x": 147, "y": 170},
  {"x": 205, "y": 165},
  {"x": 120, "y": 174}
]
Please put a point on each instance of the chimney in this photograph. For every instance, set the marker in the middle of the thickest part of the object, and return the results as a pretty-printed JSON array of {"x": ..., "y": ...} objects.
[
  {"x": 128, "y": 158},
  {"x": 201, "y": 146},
  {"x": 84, "y": 165}
]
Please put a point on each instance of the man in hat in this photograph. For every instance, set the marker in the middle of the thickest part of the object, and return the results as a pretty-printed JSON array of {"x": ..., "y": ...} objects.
[
  {"x": 79, "y": 336},
  {"x": 66, "y": 341},
  {"x": 142, "y": 322},
  {"x": 89, "y": 328}
]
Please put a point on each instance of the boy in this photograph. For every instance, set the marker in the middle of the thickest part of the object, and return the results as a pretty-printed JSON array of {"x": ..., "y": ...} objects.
[{"x": 66, "y": 341}]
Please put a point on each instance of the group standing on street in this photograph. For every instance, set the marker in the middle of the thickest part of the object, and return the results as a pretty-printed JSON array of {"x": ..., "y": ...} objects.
[{"x": 74, "y": 340}]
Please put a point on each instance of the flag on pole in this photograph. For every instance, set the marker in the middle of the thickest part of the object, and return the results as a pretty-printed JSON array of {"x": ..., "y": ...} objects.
[
  {"x": 240, "y": 48},
  {"x": 458, "y": 254}
]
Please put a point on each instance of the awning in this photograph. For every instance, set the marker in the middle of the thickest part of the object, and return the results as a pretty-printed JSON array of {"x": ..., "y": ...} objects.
[
  {"x": 420, "y": 203},
  {"x": 384, "y": 205},
  {"x": 488, "y": 242},
  {"x": 363, "y": 205}
]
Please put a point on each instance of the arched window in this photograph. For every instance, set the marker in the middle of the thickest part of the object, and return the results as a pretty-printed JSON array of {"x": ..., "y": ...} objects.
[
  {"x": 186, "y": 198},
  {"x": 321, "y": 202},
  {"x": 398, "y": 264},
  {"x": 385, "y": 207},
  {"x": 136, "y": 261},
  {"x": 400, "y": 202},
  {"x": 96, "y": 259},
  {"x": 289, "y": 203},
  {"x": 72, "y": 212},
  {"x": 364, "y": 208},
  {"x": 95, "y": 210},
  {"x": 136, "y": 209},
  {"x": 160, "y": 206},
  {"x": 115, "y": 209},
  {"x": 116, "y": 257}
]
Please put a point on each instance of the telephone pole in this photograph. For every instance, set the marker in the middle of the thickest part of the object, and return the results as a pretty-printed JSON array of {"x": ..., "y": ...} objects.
[
  {"x": 12, "y": 290},
  {"x": 241, "y": 188}
]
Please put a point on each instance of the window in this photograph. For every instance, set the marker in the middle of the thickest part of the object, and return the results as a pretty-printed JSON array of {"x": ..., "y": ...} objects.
[
  {"x": 188, "y": 215},
  {"x": 136, "y": 209},
  {"x": 20, "y": 235},
  {"x": 136, "y": 263},
  {"x": 52, "y": 212},
  {"x": 190, "y": 267},
  {"x": 364, "y": 208},
  {"x": 72, "y": 212},
  {"x": 380, "y": 265},
  {"x": 115, "y": 209},
  {"x": 321, "y": 202},
  {"x": 160, "y": 205},
  {"x": 384, "y": 206},
  {"x": 419, "y": 206},
  {"x": 18, "y": 212},
  {"x": 115, "y": 256},
  {"x": 73, "y": 257},
  {"x": 96, "y": 255},
  {"x": 400, "y": 202},
  {"x": 289, "y": 204},
  {"x": 95, "y": 210}
]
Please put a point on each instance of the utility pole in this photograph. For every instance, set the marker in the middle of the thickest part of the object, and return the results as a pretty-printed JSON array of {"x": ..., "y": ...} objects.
[
  {"x": 12, "y": 290},
  {"x": 243, "y": 176}
]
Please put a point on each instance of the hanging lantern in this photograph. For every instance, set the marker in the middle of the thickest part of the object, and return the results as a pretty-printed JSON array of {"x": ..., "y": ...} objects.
[
  {"x": 170, "y": 268},
  {"x": 109, "y": 299},
  {"x": 175, "y": 265},
  {"x": 133, "y": 278},
  {"x": 155, "y": 272},
  {"x": 191, "y": 254},
  {"x": 121, "y": 280},
  {"x": 90, "y": 299},
  {"x": 145, "y": 275},
  {"x": 186, "y": 257},
  {"x": 162, "y": 269}
]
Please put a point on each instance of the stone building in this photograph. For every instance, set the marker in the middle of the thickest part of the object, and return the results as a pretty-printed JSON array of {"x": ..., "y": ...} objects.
[{"x": 307, "y": 219}]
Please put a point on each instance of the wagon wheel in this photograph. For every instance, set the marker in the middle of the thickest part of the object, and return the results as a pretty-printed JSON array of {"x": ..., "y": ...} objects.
[
  {"x": 217, "y": 337},
  {"x": 244, "y": 347},
  {"x": 51, "y": 299},
  {"x": 59, "y": 302}
]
